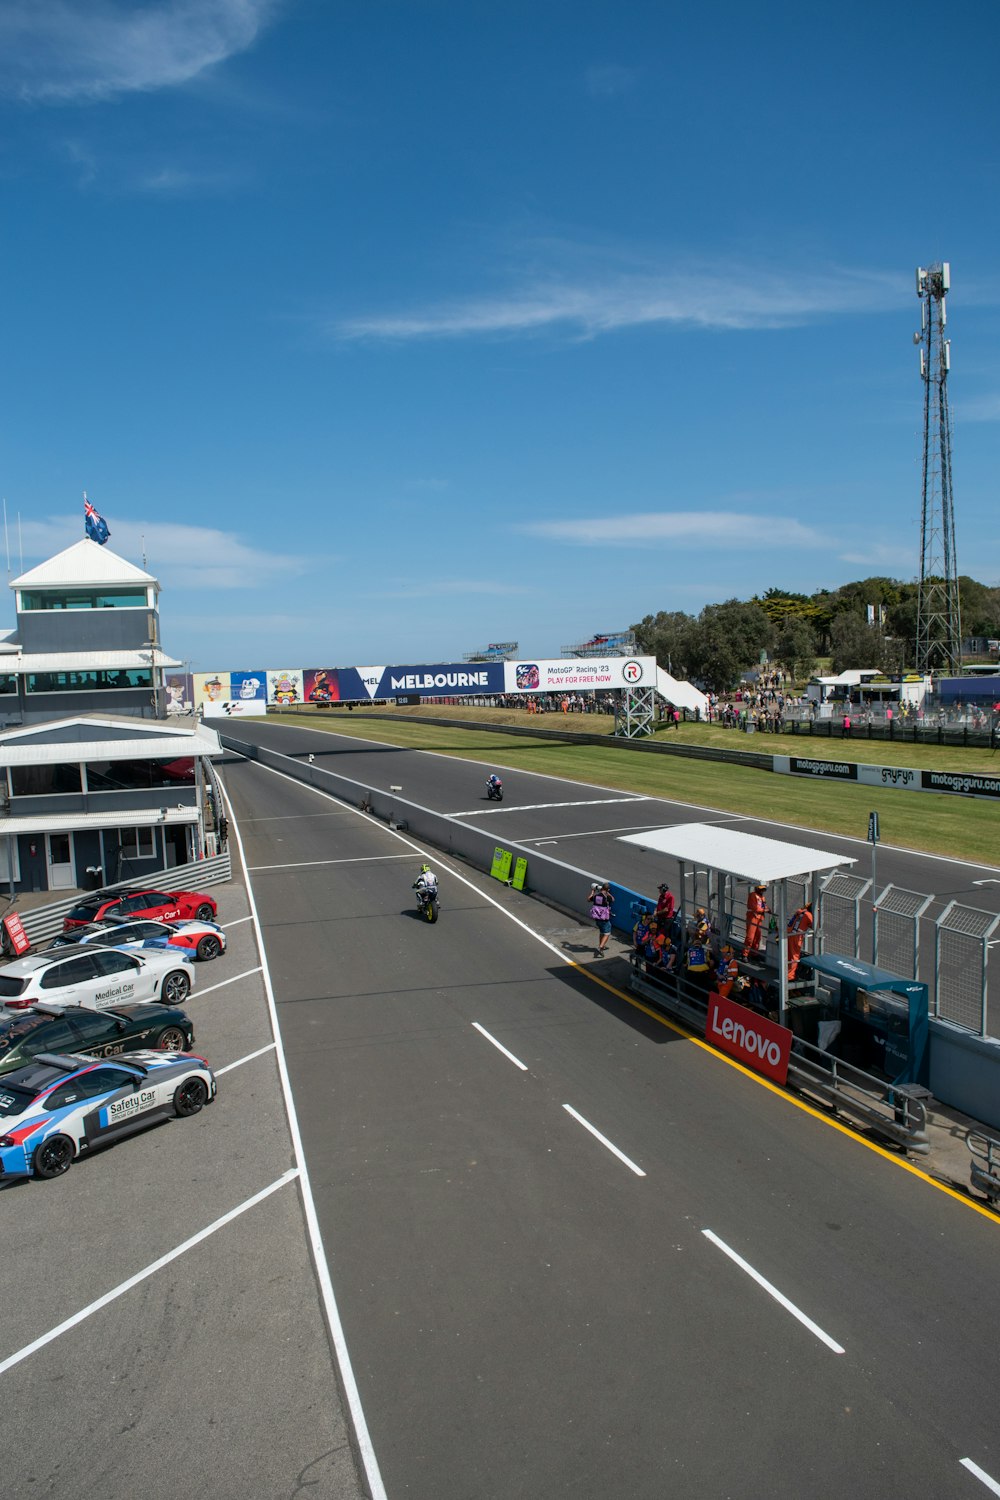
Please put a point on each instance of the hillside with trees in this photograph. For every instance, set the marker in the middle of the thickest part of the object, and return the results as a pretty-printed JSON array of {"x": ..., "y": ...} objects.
[{"x": 717, "y": 646}]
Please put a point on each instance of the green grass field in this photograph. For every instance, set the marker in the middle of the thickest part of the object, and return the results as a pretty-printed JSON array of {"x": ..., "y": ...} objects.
[{"x": 963, "y": 827}]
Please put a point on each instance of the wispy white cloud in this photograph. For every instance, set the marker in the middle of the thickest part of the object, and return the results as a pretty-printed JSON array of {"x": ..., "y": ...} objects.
[
  {"x": 901, "y": 560},
  {"x": 181, "y": 557},
  {"x": 610, "y": 80},
  {"x": 979, "y": 409},
  {"x": 178, "y": 182},
  {"x": 722, "y": 528},
  {"x": 436, "y": 588},
  {"x": 57, "y": 51},
  {"x": 584, "y": 298}
]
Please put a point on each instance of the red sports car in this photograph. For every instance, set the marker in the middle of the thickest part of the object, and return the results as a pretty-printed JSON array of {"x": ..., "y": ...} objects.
[{"x": 168, "y": 906}]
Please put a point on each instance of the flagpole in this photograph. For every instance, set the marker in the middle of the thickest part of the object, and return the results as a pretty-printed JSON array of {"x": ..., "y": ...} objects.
[{"x": 6, "y": 542}]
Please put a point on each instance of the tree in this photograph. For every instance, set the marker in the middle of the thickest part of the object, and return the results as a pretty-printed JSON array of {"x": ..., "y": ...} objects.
[
  {"x": 855, "y": 643},
  {"x": 668, "y": 637},
  {"x": 727, "y": 640},
  {"x": 795, "y": 648}
]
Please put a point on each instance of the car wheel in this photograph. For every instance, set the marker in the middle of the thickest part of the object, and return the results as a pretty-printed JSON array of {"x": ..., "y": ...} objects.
[
  {"x": 54, "y": 1156},
  {"x": 190, "y": 1096},
  {"x": 205, "y": 913},
  {"x": 171, "y": 1039},
  {"x": 209, "y": 946},
  {"x": 176, "y": 988}
]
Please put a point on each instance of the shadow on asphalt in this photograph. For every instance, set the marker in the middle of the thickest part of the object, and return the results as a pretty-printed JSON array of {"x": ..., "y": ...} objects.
[{"x": 614, "y": 971}]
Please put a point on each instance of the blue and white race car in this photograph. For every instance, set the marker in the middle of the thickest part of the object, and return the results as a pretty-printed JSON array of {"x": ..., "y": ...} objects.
[{"x": 63, "y": 1104}]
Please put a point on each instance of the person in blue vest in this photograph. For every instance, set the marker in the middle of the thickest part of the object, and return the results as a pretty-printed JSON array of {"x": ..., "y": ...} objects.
[
  {"x": 698, "y": 960},
  {"x": 640, "y": 932}
]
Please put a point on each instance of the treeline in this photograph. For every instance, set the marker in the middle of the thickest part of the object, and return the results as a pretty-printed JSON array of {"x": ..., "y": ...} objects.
[{"x": 716, "y": 647}]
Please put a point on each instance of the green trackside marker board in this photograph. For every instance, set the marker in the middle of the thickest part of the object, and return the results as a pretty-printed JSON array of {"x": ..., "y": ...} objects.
[
  {"x": 502, "y": 861},
  {"x": 520, "y": 871}
]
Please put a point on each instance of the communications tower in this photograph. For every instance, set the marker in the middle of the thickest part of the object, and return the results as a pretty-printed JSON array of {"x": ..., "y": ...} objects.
[{"x": 939, "y": 624}]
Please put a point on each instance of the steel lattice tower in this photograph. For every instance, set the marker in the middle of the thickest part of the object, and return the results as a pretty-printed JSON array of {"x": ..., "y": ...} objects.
[{"x": 939, "y": 624}]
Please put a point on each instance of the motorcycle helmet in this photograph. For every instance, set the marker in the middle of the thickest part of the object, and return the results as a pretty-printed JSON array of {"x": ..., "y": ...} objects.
[{"x": 425, "y": 869}]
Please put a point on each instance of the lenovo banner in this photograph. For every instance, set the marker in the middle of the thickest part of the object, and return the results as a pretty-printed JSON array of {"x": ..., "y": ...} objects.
[{"x": 759, "y": 1043}]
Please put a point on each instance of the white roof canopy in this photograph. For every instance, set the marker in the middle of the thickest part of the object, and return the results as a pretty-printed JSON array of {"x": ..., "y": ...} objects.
[
  {"x": 746, "y": 855},
  {"x": 85, "y": 564},
  {"x": 67, "y": 822},
  {"x": 86, "y": 661}
]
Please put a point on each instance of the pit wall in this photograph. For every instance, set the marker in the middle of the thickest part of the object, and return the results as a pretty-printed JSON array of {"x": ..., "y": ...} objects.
[{"x": 964, "y": 1069}]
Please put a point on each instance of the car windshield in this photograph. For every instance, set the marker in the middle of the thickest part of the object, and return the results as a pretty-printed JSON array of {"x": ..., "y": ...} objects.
[
  {"x": 83, "y": 913},
  {"x": 14, "y": 1100},
  {"x": 9, "y": 986},
  {"x": 13, "y": 1032}
]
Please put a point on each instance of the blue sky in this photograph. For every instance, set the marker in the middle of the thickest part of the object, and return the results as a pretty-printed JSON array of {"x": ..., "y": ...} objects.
[{"x": 391, "y": 329}]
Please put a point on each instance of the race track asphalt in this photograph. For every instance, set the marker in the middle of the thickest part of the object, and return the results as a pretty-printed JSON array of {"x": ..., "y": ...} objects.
[{"x": 548, "y": 1258}]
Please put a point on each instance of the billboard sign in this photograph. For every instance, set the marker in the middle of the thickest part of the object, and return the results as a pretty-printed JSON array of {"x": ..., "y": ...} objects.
[
  {"x": 235, "y": 708},
  {"x": 321, "y": 685},
  {"x": 566, "y": 674},
  {"x": 450, "y": 679},
  {"x": 761, "y": 1044},
  {"x": 249, "y": 687},
  {"x": 211, "y": 687},
  {"x": 283, "y": 687}
]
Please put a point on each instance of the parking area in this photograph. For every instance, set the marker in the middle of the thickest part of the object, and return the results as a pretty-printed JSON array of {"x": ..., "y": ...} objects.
[{"x": 165, "y": 1319}]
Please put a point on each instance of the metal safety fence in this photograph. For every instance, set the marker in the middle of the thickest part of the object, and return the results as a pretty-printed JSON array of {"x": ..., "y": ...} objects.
[
  {"x": 896, "y": 937},
  {"x": 838, "y": 916},
  {"x": 963, "y": 939}
]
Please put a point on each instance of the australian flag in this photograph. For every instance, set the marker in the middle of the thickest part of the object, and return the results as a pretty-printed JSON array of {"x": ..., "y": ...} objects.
[{"x": 96, "y": 526}]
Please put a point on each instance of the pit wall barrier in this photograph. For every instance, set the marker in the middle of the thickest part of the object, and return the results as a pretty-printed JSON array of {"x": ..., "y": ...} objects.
[
  {"x": 964, "y": 1070},
  {"x": 899, "y": 778}
]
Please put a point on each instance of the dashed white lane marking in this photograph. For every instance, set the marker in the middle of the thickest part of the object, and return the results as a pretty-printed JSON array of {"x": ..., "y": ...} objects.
[
  {"x": 772, "y": 1291},
  {"x": 240, "y": 1061},
  {"x": 145, "y": 1273},
  {"x": 500, "y": 1047},
  {"x": 981, "y": 1475},
  {"x": 305, "y": 864},
  {"x": 223, "y": 982},
  {"x": 486, "y": 812},
  {"x": 604, "y": 1141}
]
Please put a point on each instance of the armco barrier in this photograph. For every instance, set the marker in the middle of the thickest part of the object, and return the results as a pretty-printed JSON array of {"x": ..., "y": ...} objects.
[
  {"x": 963, "y": 1074},
  {"x": 44, "y": 922}
]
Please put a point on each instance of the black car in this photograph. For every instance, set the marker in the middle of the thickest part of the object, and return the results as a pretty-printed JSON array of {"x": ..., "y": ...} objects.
[{"x": 101, "y": 1033}]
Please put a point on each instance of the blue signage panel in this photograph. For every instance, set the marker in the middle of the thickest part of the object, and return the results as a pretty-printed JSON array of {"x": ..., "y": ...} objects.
[
  {"x": 441, "y": 680},
  {"x": 249, "y": 686}
]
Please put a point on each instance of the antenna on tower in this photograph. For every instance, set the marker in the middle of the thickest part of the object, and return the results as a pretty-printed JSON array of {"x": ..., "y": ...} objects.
[
  {"x": 6, "y": 540},
  {"x": 939, "y": 623}
]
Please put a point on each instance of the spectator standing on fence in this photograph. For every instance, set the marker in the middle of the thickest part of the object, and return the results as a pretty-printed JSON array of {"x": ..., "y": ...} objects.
[
  {"x": 799, "y": 924},
  {"x": 756, "y": 910},
  {"x": 665, "y": 906}
]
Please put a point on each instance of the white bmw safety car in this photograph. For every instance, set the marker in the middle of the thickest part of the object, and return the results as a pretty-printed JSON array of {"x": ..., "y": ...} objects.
[{"x": 63, "y": 1104}]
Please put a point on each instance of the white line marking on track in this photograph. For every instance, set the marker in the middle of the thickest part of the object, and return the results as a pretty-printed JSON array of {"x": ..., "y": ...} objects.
[
  {"x": 500, "y": 1047},
  {"x": 362, "y": 1436},
  {"x": 306, "y": 864},
  {"x": 223, "y": 982},
  {"x": 772, "y": 1291},
  {"x": 981, "y": 1475},
  {"x": 590, "y": 833},
  {"x": 237, "y": 922},
  {"x": 485, "y": 812},
  {"x": 240, "y": 1061},
  {"x": 604, "y": 1141},
  {"x": 145, "y": 1273}
]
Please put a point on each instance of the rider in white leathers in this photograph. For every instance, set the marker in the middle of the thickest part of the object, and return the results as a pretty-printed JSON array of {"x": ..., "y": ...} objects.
[{"x": 426, "y": 881}]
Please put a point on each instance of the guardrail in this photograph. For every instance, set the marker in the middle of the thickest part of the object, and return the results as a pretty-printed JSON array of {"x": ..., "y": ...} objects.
[
  {"x": 984, "y": 1169},
  {"x": 896, "y": 1113},
  {"x": 44, "y": 922}
]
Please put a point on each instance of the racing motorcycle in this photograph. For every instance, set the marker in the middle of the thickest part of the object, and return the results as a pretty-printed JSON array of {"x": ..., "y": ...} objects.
[
  {"x": 427, "y": 903},
  {"x": 494, "y": 791}
]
